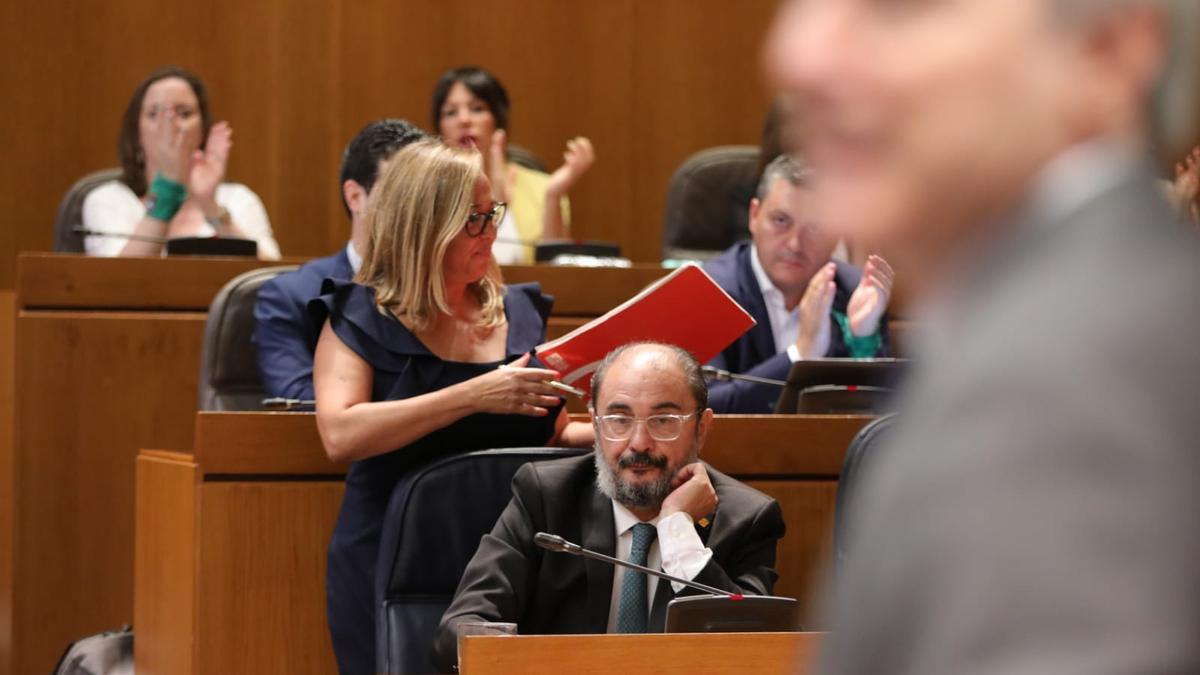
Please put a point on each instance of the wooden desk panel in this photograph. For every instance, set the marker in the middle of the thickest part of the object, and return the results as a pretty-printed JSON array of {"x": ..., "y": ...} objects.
[
  {"x": 265, "y": 498},
  {"x": 55, "y": 280},
  {"x": 164, "y": 560},
  {"x": 8, "y": 316},
  {"x": 95, "y": 386},
  {"x": 690, "y": 653},
  {"x": 260, "y": 577}
]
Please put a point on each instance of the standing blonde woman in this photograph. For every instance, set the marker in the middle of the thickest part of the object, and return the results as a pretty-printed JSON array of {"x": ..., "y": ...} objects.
[{"x": 407, "y": 365}]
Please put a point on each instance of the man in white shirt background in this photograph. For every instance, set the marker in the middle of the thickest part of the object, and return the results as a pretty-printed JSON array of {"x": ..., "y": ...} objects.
[{"x": 807, "y": 305}]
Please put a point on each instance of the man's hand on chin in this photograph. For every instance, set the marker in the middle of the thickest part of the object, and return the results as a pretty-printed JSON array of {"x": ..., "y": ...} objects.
[{"x": 691, "y": 493}]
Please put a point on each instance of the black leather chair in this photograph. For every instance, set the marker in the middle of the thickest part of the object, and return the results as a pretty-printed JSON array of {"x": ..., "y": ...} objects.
[
  {"x": 70, "y": 210},
  {"x": 229, "y": 378},
  {"x": 708, "y": 201},
  {"x": 866, "y": 443},
  {"x": 435, "y": 519}
]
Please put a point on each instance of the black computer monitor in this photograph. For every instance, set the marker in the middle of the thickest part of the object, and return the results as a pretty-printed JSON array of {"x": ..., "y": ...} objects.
[
  {"x": 874, "y": 373},
  {"x": 214, "y": 246},
  {"x": 725, "y": 614}
]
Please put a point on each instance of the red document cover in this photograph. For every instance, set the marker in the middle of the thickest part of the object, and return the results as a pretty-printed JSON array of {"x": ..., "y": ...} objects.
[{"x": 685, "y": 308}]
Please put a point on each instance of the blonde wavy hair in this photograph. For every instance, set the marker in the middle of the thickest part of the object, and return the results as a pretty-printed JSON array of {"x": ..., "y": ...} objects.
[{"x": 418, "y": 205}]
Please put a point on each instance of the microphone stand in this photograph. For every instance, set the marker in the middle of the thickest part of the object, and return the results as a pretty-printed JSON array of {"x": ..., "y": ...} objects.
[
  {"x": 726, "y": 376},
  {"x": 553, "y": 542},
  {"x": 80, "y": 230}
]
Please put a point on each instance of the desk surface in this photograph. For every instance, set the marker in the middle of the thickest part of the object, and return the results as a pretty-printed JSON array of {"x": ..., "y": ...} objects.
[
  {"x": 62, "y": 281},
  {"x": 287, "y": 443},
  {"x": 690, "y": 653}
]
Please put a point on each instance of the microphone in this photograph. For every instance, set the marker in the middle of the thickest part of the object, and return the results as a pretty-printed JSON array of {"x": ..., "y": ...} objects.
[
  {"x": 81, "y": 230},
  {"x": 555, "y": 543},
  {"x": 726, "y": 376},
  {"x": 286, "y": 403}
]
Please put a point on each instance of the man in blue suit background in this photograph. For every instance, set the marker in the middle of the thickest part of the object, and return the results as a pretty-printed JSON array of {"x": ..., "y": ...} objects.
[
  {"x": 807, "y": 306},
  {"x": 284, "y": 335}
]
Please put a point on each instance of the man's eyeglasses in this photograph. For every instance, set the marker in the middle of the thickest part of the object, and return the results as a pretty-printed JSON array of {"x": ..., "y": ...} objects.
[
  {"x": 478, "y": 221},
  {"x": 664, "y": 427}
]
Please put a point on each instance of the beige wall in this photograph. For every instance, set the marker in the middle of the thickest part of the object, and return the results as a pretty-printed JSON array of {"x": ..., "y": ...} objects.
[{"x": 650, "y": 81}]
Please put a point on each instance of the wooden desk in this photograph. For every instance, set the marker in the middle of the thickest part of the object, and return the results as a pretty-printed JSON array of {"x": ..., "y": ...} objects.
[
  {"x": 231, "y": 539},
  {"x": 690, "y": 653},
  {"x": 107, "y": 353}
]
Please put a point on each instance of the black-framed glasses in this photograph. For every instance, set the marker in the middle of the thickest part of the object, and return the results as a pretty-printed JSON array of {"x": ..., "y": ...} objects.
[
  {"x": 663, "y": 427},
  {"x": 478, "y": 221}
]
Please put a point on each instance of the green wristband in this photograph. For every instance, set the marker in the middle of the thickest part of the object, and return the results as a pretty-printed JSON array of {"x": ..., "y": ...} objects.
[
  {"x": 166, "y": 196},
  {"x": 864, "y": 347}
]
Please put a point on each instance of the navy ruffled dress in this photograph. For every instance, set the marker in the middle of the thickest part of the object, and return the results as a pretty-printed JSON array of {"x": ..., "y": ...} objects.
[{"x": 404, "y": 367}]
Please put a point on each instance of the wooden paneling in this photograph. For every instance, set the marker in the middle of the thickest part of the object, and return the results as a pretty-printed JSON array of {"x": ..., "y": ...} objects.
[
  {"x": 261, "y": 572},
  {"x": 691, "y": 653},
  {"x": 649, "y": 82},
  {"x": 94, "y": 387},
  {"x": 164, "y": 559},
  {"x": 7, "y": 362},
  {"x": 71, "y": 281},
  {"x": 803, "y": 553},
  {"x": 696, "y": 84}
]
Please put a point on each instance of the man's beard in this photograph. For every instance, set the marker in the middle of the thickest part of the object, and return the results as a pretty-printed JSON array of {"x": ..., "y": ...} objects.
[{"x": 642, "y": 495}]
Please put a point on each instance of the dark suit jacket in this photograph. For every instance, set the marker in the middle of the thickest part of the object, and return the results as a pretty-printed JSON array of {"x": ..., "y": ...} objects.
[
  {"x": 754, "y": 352},
  {"x": 511, "y": 579},
  {"x": 284, "y": 333}
]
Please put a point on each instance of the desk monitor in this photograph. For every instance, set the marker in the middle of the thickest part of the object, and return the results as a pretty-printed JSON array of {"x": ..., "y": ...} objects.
[
  {"x": 879, "y": 373},
  {"x": 214, "y": 246},
  {"x": 725, "y": 614},
  {"x": 549, "y": 250}
]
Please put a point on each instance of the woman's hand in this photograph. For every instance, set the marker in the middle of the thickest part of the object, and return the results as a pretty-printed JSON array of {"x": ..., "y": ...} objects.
[
  {"x": 577, "y": 159},
  {"x": 514, "y": 389},
  {"x": 208, "y": 167},
  {"x": 165, "y": 150},
  {"x": 497, "y": 165}
]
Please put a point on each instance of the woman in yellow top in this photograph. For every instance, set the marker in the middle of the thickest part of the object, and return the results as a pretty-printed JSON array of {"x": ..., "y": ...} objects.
[{"x": 470, "y": 109}]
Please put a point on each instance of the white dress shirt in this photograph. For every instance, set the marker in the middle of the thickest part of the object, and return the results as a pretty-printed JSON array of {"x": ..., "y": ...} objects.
[
  {"x": 785, "y": 324},
  {"x": 677, "y": 550},
  {"x": 114, "y": 209},
  {"x": 355, "y": 259}
]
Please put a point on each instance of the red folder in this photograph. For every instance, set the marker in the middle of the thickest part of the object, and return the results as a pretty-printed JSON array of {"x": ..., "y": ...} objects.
[{"x": 685, "y": 308}]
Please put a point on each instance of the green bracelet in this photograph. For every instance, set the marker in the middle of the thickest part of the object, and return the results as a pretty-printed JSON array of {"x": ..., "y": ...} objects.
[
  {"x": 165, "y": 198},
  {"x": 864, "y": 347}
]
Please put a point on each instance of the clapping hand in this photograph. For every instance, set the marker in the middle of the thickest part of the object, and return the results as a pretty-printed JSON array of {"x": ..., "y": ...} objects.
[
  {"x": 208, "y": 165},
  {"x": 813, "y": 339},
  {"x": 870, "y": 299},
  {"x": 165, "y": 149},
  {"x": 577, "y": 159},
  {"x": 497, "y": 168}
]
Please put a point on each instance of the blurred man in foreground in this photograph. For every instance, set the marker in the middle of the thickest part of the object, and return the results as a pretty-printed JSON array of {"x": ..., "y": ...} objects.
[{"x": 1035, "y": 510}]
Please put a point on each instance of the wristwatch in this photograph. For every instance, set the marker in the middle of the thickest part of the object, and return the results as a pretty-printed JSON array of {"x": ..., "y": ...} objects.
[{"x": 222, "y": 218}]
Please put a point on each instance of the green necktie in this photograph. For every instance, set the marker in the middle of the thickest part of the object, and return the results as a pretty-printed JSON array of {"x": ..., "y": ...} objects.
[{"x": 632, "y": 611}]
